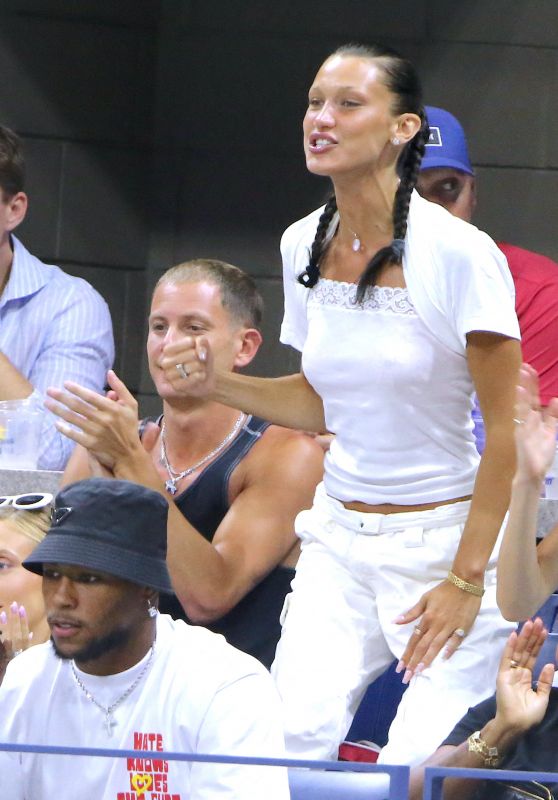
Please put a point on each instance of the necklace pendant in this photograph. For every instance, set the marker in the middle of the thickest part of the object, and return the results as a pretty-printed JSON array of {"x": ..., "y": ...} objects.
[
  {"x": 109, "y": 723},
  {"x": 170, "y": 486},
  {"x": 356, "y": 246}
]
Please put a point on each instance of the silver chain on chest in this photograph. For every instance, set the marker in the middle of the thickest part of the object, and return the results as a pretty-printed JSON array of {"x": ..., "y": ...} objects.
[
  {"x": 174, "y": 476},
  {"x": 109, "y": 723}
]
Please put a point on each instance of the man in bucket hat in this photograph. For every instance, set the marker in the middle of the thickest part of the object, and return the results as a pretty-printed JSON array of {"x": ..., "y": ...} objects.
[{"x": 118, "y": 675}]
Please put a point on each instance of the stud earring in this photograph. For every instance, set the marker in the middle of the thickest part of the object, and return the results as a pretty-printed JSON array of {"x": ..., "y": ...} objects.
[
  {"x": 395, "y": 140},
  {"x": 151, "y": 610}
]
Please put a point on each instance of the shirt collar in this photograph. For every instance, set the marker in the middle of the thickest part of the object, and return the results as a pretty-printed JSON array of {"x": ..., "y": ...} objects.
[{"x": 27, "y": 274}]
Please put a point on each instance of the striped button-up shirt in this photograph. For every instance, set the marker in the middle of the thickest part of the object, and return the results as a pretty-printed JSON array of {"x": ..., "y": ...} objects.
[{"x": 54, "y": 327}]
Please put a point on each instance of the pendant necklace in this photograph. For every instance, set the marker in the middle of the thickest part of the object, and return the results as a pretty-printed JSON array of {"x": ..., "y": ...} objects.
[
  {"x": 356, "y": 246},
  {"x": 108, "y": 711},
  {"x": 174, "y": 476}
]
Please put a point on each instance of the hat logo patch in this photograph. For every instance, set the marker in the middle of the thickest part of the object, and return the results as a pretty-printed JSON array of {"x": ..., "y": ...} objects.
[
  {"x": 434, "y": 137},
  {"x": 58, "y": 515}
]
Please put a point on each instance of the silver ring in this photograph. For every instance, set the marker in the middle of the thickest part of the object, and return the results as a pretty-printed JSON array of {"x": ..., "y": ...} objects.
[
  {"x": 183, "y": 371},
  {"x": 513, "y": 663},
  {"x": 17, "y": 652},
  {"x": 417, "y": 630},
  {"x": 519, "y": 421},
  {"x": 459, "y": 632}
]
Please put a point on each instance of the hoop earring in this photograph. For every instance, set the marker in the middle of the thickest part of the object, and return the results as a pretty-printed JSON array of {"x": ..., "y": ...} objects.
[{"x": 152, "y": 610}]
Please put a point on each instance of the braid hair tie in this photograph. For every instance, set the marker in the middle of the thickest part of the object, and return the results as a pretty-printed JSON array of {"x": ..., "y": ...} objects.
[
  {"x": 398, "y": 249},
  {"x": 309, "y": 277}
]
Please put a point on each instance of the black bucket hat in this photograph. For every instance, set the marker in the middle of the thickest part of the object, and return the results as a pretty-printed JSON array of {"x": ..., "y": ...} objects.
[{"x": 112, "y": 526}]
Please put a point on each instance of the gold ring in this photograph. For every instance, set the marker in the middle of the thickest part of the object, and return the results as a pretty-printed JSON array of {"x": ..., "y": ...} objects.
[
  {"x": 460, "y": 632},
  {"x": 513, "y": 664},
  {"x": 183, "y": 371}
]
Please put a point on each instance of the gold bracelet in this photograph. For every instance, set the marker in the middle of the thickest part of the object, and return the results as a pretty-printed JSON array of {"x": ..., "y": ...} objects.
[
  {"x": 472, "y": 588},
  {"x": 489, "y": 755}
]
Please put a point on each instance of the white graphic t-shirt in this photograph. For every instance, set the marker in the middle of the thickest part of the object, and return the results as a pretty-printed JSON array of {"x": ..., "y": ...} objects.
[{"x": 198, "y": 695}]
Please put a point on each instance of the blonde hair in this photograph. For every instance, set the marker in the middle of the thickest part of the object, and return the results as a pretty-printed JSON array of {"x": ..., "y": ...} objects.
[
  {"x": 33, "y": 524},
  {"x": 239, "y": 294}
]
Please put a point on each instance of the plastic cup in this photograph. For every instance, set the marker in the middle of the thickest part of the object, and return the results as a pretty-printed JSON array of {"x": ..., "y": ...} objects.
[{"x": 20, "y": 432}]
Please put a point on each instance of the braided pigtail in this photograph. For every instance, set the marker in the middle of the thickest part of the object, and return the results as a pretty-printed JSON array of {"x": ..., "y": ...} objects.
[
  {"x": 409, "y": 166},
  {"x": 311, "y": 274}
]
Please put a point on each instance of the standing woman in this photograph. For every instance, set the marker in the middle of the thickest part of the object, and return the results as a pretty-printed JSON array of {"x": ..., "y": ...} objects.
[{"x": 400, "y": 311}]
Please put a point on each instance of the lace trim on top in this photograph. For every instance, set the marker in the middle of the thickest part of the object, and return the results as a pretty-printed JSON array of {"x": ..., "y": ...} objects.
[{"x": 394, "y": 299}]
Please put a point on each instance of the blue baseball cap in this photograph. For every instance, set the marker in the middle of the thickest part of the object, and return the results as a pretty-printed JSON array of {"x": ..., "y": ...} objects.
[{"x": 446, "y": 145}]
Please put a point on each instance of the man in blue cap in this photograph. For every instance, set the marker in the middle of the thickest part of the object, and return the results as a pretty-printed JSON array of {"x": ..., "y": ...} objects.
[
  {"x": 447, "y": 178},
  {"x": 117, "y": 674}
]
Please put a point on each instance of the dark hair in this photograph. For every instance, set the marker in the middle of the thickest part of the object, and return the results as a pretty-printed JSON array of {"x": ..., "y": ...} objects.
[
  {"x": 402, "y": 81},
  {"x": 239, "y": 294},
  {"x": 12, "y": 165}
]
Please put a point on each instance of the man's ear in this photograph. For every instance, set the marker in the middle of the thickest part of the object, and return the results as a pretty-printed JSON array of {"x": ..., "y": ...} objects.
[
  {"x": 16, "y": 210},
  {"x": 474, "y": 196},
  {"x": 150, "y": 595},
  {"x": 250, "y": 340}
]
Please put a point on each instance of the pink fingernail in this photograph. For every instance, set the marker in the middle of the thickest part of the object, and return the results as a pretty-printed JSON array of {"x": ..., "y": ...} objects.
[
  {"x": 22, "y": 612},
  {"x": 400, "y": 618},
  {"x": 14, "y": 607},
  {"x": 3, "y": 618},
  {"x": 407, "y": 676},
  {"x": 419, "y": 668},
  {"x": 202, "y": 355},
  {"x": 30, "y": 635},
  {"x": 400, "y": 666}
]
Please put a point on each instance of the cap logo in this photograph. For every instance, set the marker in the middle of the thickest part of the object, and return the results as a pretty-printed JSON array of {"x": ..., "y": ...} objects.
[
  {"x": 59, "y": 514},
  {"x": 434, "y": 137}
]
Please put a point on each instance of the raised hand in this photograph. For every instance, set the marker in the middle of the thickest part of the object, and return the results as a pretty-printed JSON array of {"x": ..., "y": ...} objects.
[
  {"x": 518, "y": 705},
  {"x": 14, "y": 634},
  {"x": 107, "y": 426},
  {"x": 535, "y": 430}
]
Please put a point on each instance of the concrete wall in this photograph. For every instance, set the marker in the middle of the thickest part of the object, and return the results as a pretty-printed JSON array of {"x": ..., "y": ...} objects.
[
  {"x": 78, "y": 83},
  {"x": 159, "y": 131}
]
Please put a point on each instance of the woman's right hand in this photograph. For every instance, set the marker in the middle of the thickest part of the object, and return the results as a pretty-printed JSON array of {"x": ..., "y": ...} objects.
[
  {"x": 188, "y": 366},
  {"x": 15, "y": 636},
  {"x": 535, "y": 430}
]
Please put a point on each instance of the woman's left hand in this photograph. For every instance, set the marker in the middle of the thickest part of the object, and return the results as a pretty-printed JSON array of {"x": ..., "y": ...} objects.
[{"x": 445, "y": 615}]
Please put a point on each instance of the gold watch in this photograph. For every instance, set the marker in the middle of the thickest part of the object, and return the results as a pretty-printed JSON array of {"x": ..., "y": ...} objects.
[{"x": 489, "y": 755}]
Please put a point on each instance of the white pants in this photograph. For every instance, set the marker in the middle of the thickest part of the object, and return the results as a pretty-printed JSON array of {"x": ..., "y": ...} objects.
[{"x": 356, "y": 573}]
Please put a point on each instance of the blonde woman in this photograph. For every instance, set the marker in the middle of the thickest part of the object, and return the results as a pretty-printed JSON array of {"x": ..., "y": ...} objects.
[{"x": 24, "y": 521}]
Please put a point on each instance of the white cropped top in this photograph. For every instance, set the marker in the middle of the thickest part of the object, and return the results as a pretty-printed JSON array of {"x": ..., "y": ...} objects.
[{"x": 392, "y": 372}]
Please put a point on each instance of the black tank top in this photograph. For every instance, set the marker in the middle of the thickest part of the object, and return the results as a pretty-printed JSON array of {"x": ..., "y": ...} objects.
[{"x": 253, "y": 624}]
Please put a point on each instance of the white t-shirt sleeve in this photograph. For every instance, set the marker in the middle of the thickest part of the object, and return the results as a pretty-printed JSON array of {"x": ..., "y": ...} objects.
[
  {"x": 482, "y": 293},
  {"x": 296, "y": 243},
  {"x": 243, "y": 719}
]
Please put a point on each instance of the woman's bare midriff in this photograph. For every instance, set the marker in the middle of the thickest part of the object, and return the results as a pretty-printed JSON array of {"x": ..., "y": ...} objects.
[{"x": 389, "y": 508}]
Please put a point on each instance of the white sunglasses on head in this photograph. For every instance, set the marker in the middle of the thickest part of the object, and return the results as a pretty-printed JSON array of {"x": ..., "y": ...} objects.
[{"x": 27, "y": 502}]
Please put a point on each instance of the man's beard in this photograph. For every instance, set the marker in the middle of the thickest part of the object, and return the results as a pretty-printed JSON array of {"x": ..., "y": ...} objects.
[{"x": 98, "y": 647}]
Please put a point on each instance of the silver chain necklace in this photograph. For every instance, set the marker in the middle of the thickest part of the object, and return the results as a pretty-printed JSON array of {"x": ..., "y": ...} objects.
[
  {"x": 109, "y": 723},
  {"x": 174, "y": 476}
]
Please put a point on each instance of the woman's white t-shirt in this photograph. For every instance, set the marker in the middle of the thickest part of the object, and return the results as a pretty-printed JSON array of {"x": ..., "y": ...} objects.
[{"x": 394, "y": 380}]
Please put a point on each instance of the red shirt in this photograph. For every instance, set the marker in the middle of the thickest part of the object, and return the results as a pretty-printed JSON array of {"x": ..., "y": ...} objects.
[{"x": 536, "y": 304}]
